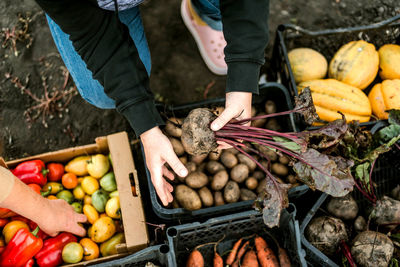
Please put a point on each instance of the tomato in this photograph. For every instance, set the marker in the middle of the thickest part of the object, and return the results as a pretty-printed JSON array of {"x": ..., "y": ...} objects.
[
  {"x": 91, "y": 213},
  {"x": 78, "y": 192},
  {"x": 66, "y": 195},
  {"x": 77, "y": 207},
  {"x": 103, "y": 229},
  {"x": 107, "y": 182},
  {"x": 98, "y": 165},
  {"x": 35, "y": 187},
  {"x": 113, "y": 208},
  {"x": 69, "y": 180},
  {"x": 87, "y": 199},
  {"x": 11, "y": 228},
  {"x": 114, "y": 194},
  {"x": 110, "y": 246},
  {"x": 78, "y": 165},
  {"x": 52, "y": 197},
  {"x": 56, "y": 171},
  {"x": 3, "y": 222},
  {"x": 53, "y": 187},
  {"x": 90, "y": 249},
  {"x": 99, "y": 200},
  {"x": 89, "y": 185},
  {"x": 72, "y": 253}
]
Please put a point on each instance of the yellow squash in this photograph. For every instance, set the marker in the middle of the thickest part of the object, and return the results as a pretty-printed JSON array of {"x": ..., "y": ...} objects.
[
  {"x": 389, "y": 61},
  {"x": 355, "y": 63},
  {"x": 385, "y": 96},
  {"x": 330, "y": 96},
  {"x": 307, "y": 64}
]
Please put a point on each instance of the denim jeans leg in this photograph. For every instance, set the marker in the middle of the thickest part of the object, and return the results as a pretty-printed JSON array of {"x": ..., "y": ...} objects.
[
  {"x": 89, "y": 88},
  {"x": 209, "y": 12}
]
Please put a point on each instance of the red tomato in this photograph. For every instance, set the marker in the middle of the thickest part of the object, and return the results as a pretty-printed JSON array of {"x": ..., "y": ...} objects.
[
  {"x": 35, "y": 188},
  {"x": 3, "y": 222},
  {"x": 56, "y": 171}
]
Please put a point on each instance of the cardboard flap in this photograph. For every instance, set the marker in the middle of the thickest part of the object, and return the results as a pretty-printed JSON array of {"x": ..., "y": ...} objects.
[
  {"x": 136, "y": 235},
  {"x": 3, "y": 163}
]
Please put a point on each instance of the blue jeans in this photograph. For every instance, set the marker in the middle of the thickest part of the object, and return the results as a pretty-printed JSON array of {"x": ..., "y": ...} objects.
[{"x": 90, "y": 89}]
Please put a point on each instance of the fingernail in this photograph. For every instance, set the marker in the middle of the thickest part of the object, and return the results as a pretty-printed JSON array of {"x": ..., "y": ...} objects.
[
  {"x": 214, "y": 126},
  {"x": 183, "y": 173}
]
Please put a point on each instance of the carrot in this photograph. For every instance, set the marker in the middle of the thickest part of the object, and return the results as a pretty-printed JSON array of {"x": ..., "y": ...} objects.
[
  {"x": 218, "y": 262},
  {"x": 232, "y": 255},
  {"x": 250, "y": 259},
  {"x": 265, "y": 254},
  {"x": 195, "y": 259},
  {"x": 284, "y": 260},
  {"x": 240, "y": 254}
]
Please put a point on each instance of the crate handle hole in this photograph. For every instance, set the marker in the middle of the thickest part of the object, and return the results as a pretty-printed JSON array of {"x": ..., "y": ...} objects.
[
  {"x": 133, "y": 184},
  {"x": 172, "y": 232},
  {"x": 164, "y": 249}
]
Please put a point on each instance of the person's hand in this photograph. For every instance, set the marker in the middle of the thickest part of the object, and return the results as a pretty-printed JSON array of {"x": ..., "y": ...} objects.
[
  {"x": 237, "y": 106},
  {"x": 61, "y": 217},
  {"x": 158, "y": 151}
]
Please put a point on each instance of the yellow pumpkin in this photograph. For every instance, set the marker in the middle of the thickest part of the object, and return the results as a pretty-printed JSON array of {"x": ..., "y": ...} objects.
[
  {"x": 307, "y": 64},
  {"x": 389, "y": 61},
  {"x": 330, "y": 96},
  {"x": 385, "y": 96},
  {"x": 355, "y": 63}
]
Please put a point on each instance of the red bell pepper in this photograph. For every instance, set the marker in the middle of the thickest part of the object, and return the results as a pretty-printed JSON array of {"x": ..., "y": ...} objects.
[
  {"x": 5, "y": 213},
  {"x": 21, "y": 248},
  {"x": 51, "y": 253},
  {"x": 30, "y": 263},
  {"x": 32, "y": 225},
  {"x": 1, "y": 250},
  {"x": 31, "y": 172}
]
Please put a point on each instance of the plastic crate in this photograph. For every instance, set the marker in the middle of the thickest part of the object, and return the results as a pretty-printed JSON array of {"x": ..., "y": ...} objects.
[
  {"x": 273, "y": 91},
  {"x": 384, "y": 176},
  {"x": 182, "y": 239},
  {"x": 159, "y": 255},
  {"x": 327, "y": 42}
]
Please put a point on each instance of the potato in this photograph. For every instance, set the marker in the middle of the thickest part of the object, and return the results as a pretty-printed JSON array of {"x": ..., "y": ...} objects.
[
  {"x": 206, "y": 197},
  {"x": 172, "y": 128},
  {"x": 272, "y": 124},
  {"x": 284, "y": 160},
  {"x": 187, "y": 197},
  {"x": 253, "y": 111},
  {"x": 191, "y": 166},
  {"x": 261, "y": 186},
  {"x": 239, "y": 173},
  {"x": 260, "y": 122},
  {"x": 231, "y": 192},
  {"x": 291, "y": 179},
  {"x": 246, "y": 194},
  {"x": 265, "y": 164},
  {"x": 214, "y": 155},
  {"x": 279, "y": 169},
  {"x": 246, "y": 160},
  {"x": 270, "y": 107},
  {"x": 196, "y": 180},
  {"x": 251, "y": 183},
  {"x": 218, "y": 198},
  {"x": 228, "y": 159},
  {"x": 175, "y": 204},
  {"x": 214, "y": 166},
  {"x": 267, "y": 152},
  {"x": 198, "y": 159},
  {"x": 258, "y": 175},
  {"x": 177, "y": 146},
  {"x": 201, "y": 167},
  {"x": 232, "y": 150},
  {"x": 183, "y": 159},
  {"x": 219, "y": 180}
]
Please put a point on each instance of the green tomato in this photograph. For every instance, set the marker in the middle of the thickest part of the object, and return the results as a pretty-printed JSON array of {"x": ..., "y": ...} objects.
[
  {"x": 66, "y": 195},
  {"x": 77, "y": 207},
  {"x": 99, "y": 200},
  {"x": 72, "y": 253},
  {"x": 107, "y": 182},
  {"x": 114, "y": 194}
]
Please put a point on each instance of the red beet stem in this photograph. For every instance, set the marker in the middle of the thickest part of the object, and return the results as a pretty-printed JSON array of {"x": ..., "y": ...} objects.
[
  {"x": 268, "y": 116},
  {"x": 246, "y": 129},
  {"x": 234, "y": 134},
  {"x": 363, "y": 192},
  {"x": 346, "y": 252}
]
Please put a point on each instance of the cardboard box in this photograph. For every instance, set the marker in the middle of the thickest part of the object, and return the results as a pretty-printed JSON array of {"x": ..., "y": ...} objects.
[{"x": 136, "y": 235}]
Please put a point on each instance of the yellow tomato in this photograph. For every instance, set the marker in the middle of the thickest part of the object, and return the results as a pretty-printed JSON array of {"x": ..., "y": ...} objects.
[
  {"x": 91, "y": 213},
  {"x": 98, "y": 165},
  {"x": 113, "y": 208},
  {"x": 11, "y": 228},
  {"x": 52, "y": 197},
  {"x": 78, "y": 192},
  {"x": 90, "y": 185},
  {"x": 90, "y": 249},
  {"x": 78, "y": 165},
  {"x": 87, "y": 199},
  {"x": 80, "y": 179},
  {"x": 103, "y": 215},
  {"x": 72, "y": 253},
  {"x": 90, "y": 232},
  {"x": 53, "y": 187},
  {"x": 110, "y": 246},
  {"x": 103, "y": 229}
]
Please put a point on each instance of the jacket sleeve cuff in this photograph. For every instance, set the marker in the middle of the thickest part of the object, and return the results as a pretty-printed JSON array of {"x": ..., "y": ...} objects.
[
  {"x": 142, "y": 116},
  {"x": 243, "y": 77}
]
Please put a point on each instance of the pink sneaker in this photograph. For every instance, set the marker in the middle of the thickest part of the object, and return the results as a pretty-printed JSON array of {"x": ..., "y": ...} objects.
[{"x": 210, "y": 42}]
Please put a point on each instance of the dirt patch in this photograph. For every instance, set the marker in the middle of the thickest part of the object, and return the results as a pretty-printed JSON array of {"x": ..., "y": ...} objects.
[{"x": 178, "y": 72}]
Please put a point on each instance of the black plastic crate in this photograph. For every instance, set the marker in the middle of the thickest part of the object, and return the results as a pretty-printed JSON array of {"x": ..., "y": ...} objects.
[
  {"x": 327, "y": 42},
  {"x": 268, "y": 91},
  {"x": 159, "y": 255},
  {"x": 384, "y": 176},
  {"x": 183, "y": 238}
]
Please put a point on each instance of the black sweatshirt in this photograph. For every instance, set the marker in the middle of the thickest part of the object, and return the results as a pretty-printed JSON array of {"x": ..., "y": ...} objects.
[{"x": 104, "y": 44}]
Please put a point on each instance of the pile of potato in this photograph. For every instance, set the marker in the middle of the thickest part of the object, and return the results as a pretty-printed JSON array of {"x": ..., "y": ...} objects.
[{"x": 226, "y": 176}]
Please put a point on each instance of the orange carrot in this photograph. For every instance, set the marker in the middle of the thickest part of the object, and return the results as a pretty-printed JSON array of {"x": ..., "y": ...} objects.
[
  {"x": 232, "y": 254},
  {"x": 284, "y": 260},
  {"x": 240, "y": 253},
  {"x": 250, "y": 259},
  {"x": 265, "y": 254},
  {"x": 195, "y": 259},
  {"x": 218, "y": 262}
]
